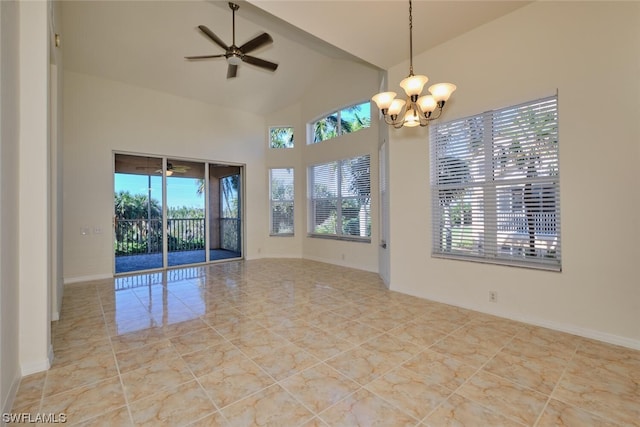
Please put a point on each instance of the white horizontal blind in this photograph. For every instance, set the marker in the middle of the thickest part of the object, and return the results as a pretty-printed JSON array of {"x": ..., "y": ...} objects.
[
  {"x": 282, "y": 201},
  {"x": 340, "y": 199},
  {"x": 495, "y": 186}
]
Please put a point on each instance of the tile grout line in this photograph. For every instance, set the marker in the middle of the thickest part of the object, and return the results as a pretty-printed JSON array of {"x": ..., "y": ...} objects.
[
  {"x": 479, "y": 369},
  {"x": 113, "y": 352}
]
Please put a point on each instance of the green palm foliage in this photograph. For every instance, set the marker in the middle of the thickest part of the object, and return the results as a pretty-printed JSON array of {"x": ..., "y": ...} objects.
[
  {"x": 347, "y": 120},
  {"x": 136, "y": 206}
]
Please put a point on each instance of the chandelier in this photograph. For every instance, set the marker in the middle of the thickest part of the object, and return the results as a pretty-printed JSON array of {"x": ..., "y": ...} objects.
[{"x": 418, "y": 109}]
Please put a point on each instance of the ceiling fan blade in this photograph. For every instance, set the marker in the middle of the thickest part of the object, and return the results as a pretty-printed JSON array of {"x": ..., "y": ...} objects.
[
  {"x": 232, "y": 71},
  {"x": 256, "y": 42},
  {"x": 259, "y": 62},
  {"x": 204, "y": 56},
  {"x": 213, "y": 37}
]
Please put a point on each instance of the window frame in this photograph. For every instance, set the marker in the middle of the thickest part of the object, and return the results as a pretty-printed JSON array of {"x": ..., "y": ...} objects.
[
  {"x": 338, "y": 200},
  {"x": 282, "y": 201},
  {"x": 311, "y": 126},
  {"x": 505, "y": 165}
]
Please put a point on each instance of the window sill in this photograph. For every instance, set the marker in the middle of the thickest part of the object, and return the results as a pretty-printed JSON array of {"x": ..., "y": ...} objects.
[
  {"x": 501, "y": 261},
  {"x": 343, "y": 238}
]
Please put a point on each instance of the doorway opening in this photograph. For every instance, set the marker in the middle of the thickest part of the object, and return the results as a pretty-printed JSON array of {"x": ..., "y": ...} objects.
[{"x": 172, "y": 212}]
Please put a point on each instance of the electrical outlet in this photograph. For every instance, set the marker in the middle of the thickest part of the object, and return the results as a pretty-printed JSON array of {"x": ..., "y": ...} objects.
[{"x": 493, "y": 296}]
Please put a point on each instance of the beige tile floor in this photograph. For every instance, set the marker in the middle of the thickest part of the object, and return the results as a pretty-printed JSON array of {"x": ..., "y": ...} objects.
[{"x": 301, "y": 343}]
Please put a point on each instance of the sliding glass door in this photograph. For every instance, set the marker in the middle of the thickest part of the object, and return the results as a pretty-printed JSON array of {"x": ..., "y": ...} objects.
[
  {"x": 137, "y": 213},
  {"x": 186, "y": 231},
  {"x": 225, "y": 225},
  {"x": 168, "y": 211}
]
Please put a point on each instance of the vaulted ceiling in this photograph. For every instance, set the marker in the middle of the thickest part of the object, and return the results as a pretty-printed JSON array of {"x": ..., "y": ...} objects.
[{"x": 143, "y": 43}]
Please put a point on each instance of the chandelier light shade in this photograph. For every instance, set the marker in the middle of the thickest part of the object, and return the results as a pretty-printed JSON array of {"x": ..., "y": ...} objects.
[{"x": 418, "y": 109}]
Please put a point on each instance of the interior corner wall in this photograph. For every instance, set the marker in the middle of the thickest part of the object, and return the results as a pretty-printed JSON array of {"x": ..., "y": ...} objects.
[
  {"x": 102, "y": 116},
  {"x": 590, "y": 53},
  {"x": 9, "y": 213},
  {"x": 344, "y": 83},
  {"x": 55, "y": 82}
]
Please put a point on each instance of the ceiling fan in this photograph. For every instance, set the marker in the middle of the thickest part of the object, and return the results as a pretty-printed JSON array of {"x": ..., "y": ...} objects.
[
  {"x": 171, "y": 169},
  {"x": 234, "y": 54}
]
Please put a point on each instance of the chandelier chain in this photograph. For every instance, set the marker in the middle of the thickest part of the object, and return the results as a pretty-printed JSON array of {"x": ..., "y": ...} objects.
[
  {"x": 417, "y": 109},
  {"x": 410, "y": 39}
]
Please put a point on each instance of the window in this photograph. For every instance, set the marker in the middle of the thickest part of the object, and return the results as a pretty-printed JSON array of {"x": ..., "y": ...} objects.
[
  {"x": 281, "y": 137},
  {"x": 347, "y": 120},
  {"x": 340, "y": 199},
  {"x": 281, "y": 190},
  {"x": 495, "y": 186}
]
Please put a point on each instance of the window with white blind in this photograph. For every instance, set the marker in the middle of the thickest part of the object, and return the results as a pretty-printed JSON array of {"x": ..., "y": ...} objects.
[
  {"x": 281, "y": 199},
  {"x": 340, "y": 199},
  {"x": 495, "y": 186}
]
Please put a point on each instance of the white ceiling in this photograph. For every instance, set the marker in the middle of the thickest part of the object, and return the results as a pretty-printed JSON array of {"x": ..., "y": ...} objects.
[{"x": 143, "y": 43}]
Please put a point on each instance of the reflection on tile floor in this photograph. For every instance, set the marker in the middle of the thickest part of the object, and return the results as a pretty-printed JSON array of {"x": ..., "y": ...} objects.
[{"x": 301, "y": 343}]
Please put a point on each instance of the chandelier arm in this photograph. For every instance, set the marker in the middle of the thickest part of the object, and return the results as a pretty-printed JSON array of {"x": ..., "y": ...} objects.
[
  {"x": 436, "y": 114},
  {"x": 422, "y": 118},
  {"x": 398, "y": 121},
  {"x": 387, "y": 119}
]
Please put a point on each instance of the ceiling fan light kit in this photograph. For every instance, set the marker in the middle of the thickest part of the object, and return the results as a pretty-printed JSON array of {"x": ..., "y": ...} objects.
[
  {"x": 418, "y": 109},
  {"x": 236, "y": 55}
]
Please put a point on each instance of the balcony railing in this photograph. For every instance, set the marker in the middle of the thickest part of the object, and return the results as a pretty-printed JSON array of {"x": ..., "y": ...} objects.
[{"x": 141, "y": 236}]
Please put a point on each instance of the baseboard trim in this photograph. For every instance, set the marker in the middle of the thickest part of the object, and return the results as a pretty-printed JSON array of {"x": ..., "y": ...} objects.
[
  {"x": 38, "y": 366},
  {"x": 585, "y": 333},
  {"x": 51, "y": 356},
  {"x": 78, "y": 279},
  {"x": 7, "y": 405},
  {"x": 556, "y": 326},
  {"x": 340, "y": 263}
]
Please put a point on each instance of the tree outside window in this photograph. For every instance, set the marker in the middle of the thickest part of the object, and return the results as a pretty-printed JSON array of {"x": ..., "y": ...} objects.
[
  {"x": 281, "y": 137},
  {"x": 341, "y": 122},
  {"x": 495, "y": 186}
]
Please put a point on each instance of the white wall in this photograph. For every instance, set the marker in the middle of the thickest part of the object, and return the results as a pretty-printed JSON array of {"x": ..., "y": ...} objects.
[
  {"x": 590, "y": 53},
  {"x": 34, "y": 187},
  {"x": 9, "y": 213},
  {"x": 288, "y": 246},
  {"x": 101, "y": 116},
  {"x": 343, "y": 84}
]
